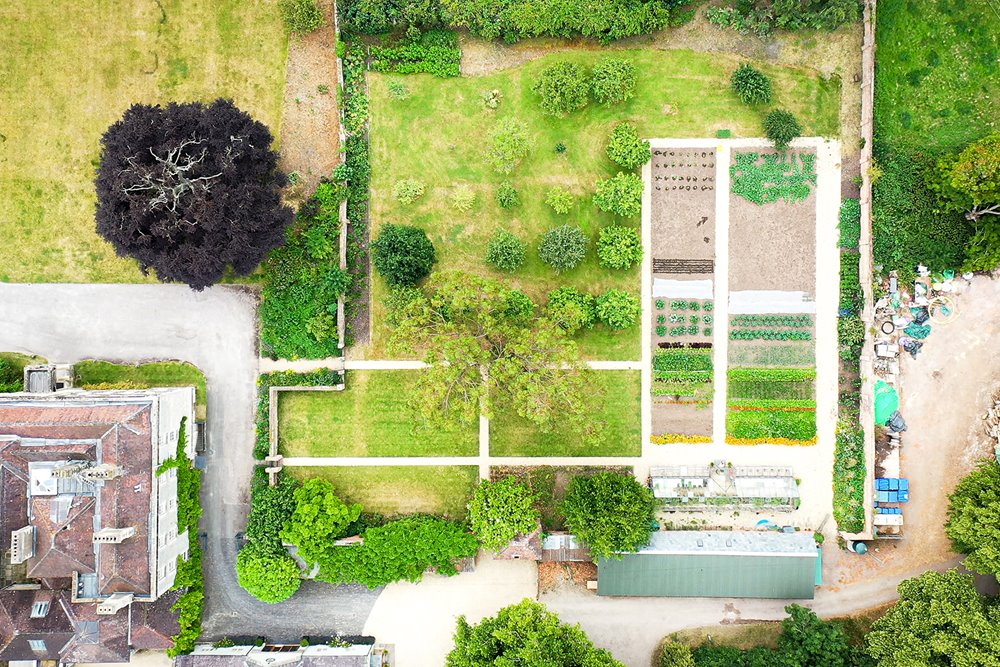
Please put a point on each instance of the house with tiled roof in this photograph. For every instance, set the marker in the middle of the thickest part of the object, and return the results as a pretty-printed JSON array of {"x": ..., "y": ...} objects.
[{"x": 88, "y": 530}]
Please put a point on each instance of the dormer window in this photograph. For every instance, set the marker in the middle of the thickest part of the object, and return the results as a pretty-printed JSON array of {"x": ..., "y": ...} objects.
[{"x": 40, "y": 610}]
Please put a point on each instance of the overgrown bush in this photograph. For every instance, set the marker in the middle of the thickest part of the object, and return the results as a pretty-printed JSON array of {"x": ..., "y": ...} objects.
[
  {"x": 563, "y": 88},
  {"x": 611, "y": 513},
  {"x": 11, "y": 377},
  {"x": 751, "y": 85},
  {"x": 563, "y": 247},
  {"x": 506, "y": 251},
  {"x": 300, "y": 16},
  {"x": 507, "y": 196},
  {"x": 619, "y": 247},
  {"x": 303, "y": 281},
  {"x": 621, "y": 195},
  {"x": 762, "y": 17},
  {"x": 613, "y": 81},
  {"x": 781, "y": 127},
  {"x": 618, "y": 309},
  {"x": 407, "y": 190},
  {"x": 500, "y": 511},
  {"x": 571, "y": 309},
  {"x": 851, "y": 335},
  {"x": 401, "y": 550},
  {"x": 559, "y": 199},
  {"x": 509, "y": 144},
  {"x": 626, "y": 148},
  {"x": 403, "y": 255},
  {"x": 269, "y": 575}
]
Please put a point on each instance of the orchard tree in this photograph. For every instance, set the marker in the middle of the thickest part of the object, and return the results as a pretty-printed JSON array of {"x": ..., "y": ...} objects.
[
  {"x": 509, "y": 144},
  {"x": 191, "y": 190},
  {"x": 486, "y": 348},
  {"x": 619, "y": 247},
  {"x": 320, "y": 517},
  {"x": 941, "y": 620},
  {"x": 974, "y": 518},
  {"x": 611, "y": 513},
  {"x": 781, "y": 127},
  {"x": 621, "y": 195},
  {"x": 751, "y": 85},
  {"x": 571, "y": 309},
  {"x": 525, "y": 635},
  {"x": 270, "y": 576},
  {"x": 403, "y": 255},
  {"x": 613, "y": 81},
  {"x": 618, "y": 309},
  {"x": 563, "y": 88},
  {"x": 626, "y": 148},
  {"x": 506, "y": 251},
  {"x": 563, "y": 247},
  {"x": 500, "y": 511}
]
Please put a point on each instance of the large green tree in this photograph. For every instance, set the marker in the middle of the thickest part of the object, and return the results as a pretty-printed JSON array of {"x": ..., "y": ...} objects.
[
  {"x": 500, "y": 511},
  {"x": 486, "y": 347},
  {"x": 320, "y": 517},
  {"x": 525, "y": 635},
  {"x": 939, "y": 621},
  {"x": 267, "y": 575},
  {"x": 974, "y": 518},
  {"x": 969, "y": 182},
  {"x": 611, "y": 513}
]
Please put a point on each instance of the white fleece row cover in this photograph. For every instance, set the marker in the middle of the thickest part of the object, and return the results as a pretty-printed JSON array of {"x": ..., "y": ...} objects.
[
  {"x": 768, "y": 302},
  {"x": 682, "y": 289}
]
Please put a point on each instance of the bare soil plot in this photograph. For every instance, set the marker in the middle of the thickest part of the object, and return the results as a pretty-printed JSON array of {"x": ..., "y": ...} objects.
[
  {"x": 773, "y": 246},
  {"x": 683, "y": 209},
  {"x": 310, "y": 137}
]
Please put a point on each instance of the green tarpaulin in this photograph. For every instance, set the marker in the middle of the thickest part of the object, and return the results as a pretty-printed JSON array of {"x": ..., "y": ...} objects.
[{"x": 886, "y": 402}]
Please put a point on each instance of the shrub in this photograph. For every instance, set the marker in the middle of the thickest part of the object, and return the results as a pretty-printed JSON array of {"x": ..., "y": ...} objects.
[
  {"x": 781, "y": 127},
  {"x": 11, "y": 378},
  {"x": 435, "y": 52},
  {"x": 619, "y": 247},
  {"x": 626, "y": 148},
  {"x": 562, "y": 88},
  {"x": 560, "y": 199},
  {"x": 560, "y": 148},
  {"x": 506, "y": 251},
  {"x": 851, "y": 334},
  {"x": 509, "y": 144},
  {"x": 300, "y": 16},
  {"x": 611, "y": 513},
  {"x": 613, "y": 81},
  {"x": 462, "y": 198},
  {"x": 974, "y": 518},
  {"x": 621, "y": 195},
  {"x": 850, "y": 223},
  {"x": 618, "y": 309},
  {"x": 267, "y": 575},
  {"x": 751, "y": 85},
  {"x": 507, "y": 196},
  {"x": 407, "y": 190},
  {"x": 403, "y": 255},
  {"x": 320, "y": 517},
  {"x": 675, "y": 654},
  {"x": 571, "y": 309},
  {"x": 563, "y": 247},
  {"x": 500, "y": 511}
]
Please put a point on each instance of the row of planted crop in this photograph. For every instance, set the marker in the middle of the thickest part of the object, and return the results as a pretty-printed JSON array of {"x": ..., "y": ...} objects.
[
  {"x": 684, "y": 373},
  {"x": 771, "y": 406}
]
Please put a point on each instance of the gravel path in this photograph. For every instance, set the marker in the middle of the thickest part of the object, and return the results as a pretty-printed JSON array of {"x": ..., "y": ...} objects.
[{"x": 215, "y": 330}]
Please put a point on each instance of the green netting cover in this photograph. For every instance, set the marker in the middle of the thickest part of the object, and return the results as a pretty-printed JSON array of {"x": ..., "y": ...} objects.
[{"x": 886, "y": 402}]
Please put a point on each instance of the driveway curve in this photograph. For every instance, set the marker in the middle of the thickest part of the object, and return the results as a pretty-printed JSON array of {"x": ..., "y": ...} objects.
[{"x": 215, "y": 330}]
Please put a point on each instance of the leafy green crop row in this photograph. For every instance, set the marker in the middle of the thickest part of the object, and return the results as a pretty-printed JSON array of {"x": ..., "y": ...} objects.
[
  {"x": 850, "y": 223},
  {"x": 683, "y": 359},
  {"x": 780, "y": 176},
  {"x": 771, "y": 320},
  {"x": 772, "y": 374},
  {"x": 851, "y": 297},
  {"x": 764, "y": 424},
  {"x": 436, "y": 52},
  {"x": 768, "y": 334}
]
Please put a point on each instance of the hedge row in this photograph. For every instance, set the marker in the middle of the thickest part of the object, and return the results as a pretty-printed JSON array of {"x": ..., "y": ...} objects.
[
  {"x": 357, "y": 171},
  {"x": 511, "y": 20},
  {"x": 321, "y": 378}
]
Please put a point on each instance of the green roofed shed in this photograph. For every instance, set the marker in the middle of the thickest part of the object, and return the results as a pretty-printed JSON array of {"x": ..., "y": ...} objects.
[{"x": 719, "y": 564}]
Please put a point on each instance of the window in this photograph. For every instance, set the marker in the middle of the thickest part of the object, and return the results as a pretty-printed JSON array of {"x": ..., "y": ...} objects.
[
  {"x": 40, "y": 610},
  {"x": 37, "y": 645}
]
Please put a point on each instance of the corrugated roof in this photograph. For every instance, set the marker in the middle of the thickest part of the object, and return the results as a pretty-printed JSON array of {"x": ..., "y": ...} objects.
[{"x": 715, "y": 564}]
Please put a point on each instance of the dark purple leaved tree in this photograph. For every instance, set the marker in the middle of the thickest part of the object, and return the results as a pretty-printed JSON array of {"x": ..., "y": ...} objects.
[{"x": 191, "y": 189}]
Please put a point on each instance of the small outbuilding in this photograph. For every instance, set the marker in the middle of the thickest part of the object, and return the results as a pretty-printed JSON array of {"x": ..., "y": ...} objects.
[{"x": 720, "y": 564}]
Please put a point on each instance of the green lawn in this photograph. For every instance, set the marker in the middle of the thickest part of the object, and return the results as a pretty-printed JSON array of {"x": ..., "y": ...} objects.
[
  {"x": 394, "y": 490},
  {"x": 619, "y": 410},
  {"x": 938, "y": 72},
  {"x": 156, "y": 374},
  {"x": 436, "y": 135},
  {"x": 69, "y": 69},
  {"x": 937, "y": 83},
  {"x": 369, "y": 418}
]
